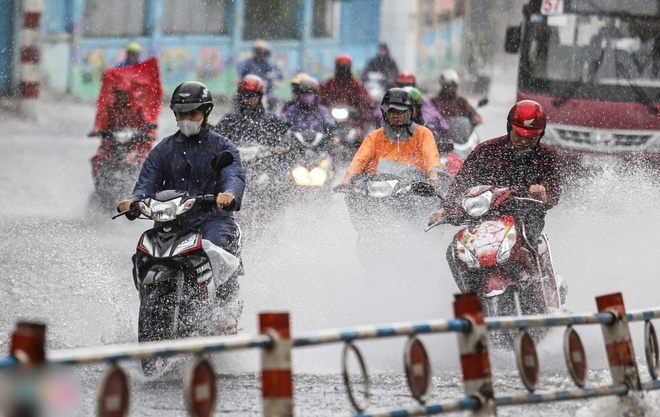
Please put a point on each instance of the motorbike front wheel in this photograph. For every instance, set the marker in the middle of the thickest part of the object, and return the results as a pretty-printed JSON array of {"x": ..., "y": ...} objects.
[
  {"x": 506, "y": 305},
  {"x": 501, "y": 306},
  {"x": 156, "y": 321}
]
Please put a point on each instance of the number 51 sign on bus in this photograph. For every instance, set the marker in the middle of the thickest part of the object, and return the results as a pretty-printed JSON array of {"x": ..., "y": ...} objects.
[{"x": 552, "y": 7}]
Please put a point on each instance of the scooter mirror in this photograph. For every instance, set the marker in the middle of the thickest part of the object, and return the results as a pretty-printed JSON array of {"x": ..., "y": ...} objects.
[
  {"x": 423, "y": 188},
  {"x": 222, "y": 160}
]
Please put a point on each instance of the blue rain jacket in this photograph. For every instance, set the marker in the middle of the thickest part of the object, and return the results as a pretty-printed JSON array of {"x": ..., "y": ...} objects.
[{"x": 184, "y": 163}]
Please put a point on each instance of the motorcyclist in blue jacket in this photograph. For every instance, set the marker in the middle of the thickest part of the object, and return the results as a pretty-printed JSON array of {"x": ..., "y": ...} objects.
[
  {"x": 261, "y": 65},
  {"x": 182, "y": 161}
]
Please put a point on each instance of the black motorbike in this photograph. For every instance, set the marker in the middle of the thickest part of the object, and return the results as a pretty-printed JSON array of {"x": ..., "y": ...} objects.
[
  {"x": 120, "y": 170},
  {"x": 386, "y": 211},
  {"x": 463, "y": 132},
  {"x": 347, "y": 128},
  {"x": 187, "y": 285},
  {"x": 266, "y": 186},
  {"x": 375, "y": 200}
]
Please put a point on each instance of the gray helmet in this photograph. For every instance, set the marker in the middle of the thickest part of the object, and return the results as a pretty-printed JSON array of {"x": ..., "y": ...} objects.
[
  {"x": 448, "y": 77},
  {"x": 190, "y": 96},
  {"x": 399, "y": 99}
]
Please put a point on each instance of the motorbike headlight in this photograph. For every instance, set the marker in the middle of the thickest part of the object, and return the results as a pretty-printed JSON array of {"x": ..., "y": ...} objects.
[
  {"x": 163, "y": 211},
  {"x": 465, "y": 256},
  {"x": 504, "y": 252},
  {"x": 381, "y": 189},
  {"x": 317, "y": 176},
  {"x": 300, "y": 175},
  {"x": 478, "y": 205},
  {"x": 340, "y": 114}
]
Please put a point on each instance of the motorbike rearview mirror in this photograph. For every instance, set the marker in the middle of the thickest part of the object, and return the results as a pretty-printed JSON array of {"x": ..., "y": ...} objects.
[
  {"x": 482, "y": 102},
  {"x": 423, "y": 189},
  {"x": 222, "y": 160}
]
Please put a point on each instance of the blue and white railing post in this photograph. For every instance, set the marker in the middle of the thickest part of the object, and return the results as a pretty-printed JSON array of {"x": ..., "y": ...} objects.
[
  {"x": 276, "y": 374},
  {"x": 473, "y": 346},
  {"x": 619, "y": 347}
]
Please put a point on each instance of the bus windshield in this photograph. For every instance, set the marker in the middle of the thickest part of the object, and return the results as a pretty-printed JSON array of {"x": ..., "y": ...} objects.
[{"x": 593, "y": 56}]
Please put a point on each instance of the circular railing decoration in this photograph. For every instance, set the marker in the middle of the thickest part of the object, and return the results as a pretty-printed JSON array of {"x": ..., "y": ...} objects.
[
  {"x": 527, "y": 360},
  {"x": 201, "y": 388},
  {"x": 357, "y": 404},
  {"x": 651, "y": 348},
  {"x": 576, "y": 359},
  {"x": 418, "y": 369},
  {"x": 114, "y": 396}
]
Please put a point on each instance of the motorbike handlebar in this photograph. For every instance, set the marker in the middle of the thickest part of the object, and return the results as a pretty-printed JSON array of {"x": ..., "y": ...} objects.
[
  {"x": 340, "y": 190},
  {"x": 529, "y": 199},
  {"x": 206, "y": 202},
  {"x": 131, "y": 214},
  {"x": 140, "y": 134}
]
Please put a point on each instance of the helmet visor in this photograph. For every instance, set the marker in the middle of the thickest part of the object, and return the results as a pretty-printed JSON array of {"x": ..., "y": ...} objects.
[
  {"x": 397, "y": 106},
  {"x": 185, "y": 107},
  {"x": 249, "y": 94},
  {"x": 527, "y": 133}
]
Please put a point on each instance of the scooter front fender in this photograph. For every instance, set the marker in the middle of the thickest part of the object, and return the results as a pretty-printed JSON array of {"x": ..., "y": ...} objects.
[{"x": 496, "y": 283}]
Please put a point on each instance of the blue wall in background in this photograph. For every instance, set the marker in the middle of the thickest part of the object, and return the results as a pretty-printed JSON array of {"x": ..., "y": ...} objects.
[
  {"x": 6, "y": 47},
  {"x": 73, "y": 62}
]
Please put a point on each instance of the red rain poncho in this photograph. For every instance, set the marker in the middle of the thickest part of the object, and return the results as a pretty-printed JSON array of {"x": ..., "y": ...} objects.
[{"x": 142, "y": 82}]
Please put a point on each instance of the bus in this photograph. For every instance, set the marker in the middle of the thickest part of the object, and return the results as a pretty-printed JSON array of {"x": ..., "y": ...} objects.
[{"x": 594, "y": 66}]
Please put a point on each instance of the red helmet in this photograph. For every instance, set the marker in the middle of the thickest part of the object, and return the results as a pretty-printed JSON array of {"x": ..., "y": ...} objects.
[
  {"x": 344, "y": 59},
  {"x": 527, "y": 118},
  {"x": 405, "y": 77},
  {"x": 251, "y": 83}
]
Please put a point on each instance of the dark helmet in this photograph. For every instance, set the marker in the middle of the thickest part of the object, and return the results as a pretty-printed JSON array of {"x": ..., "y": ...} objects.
[
  {"x": 399, "y": 99},
  {"x": 190, "y": 96},
  {"x": 527, "y": 118},
  {"x": 251, "y": 85}
]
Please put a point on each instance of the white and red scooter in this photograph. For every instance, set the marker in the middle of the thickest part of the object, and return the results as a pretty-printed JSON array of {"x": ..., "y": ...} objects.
[{"x": 493, "y": 257}]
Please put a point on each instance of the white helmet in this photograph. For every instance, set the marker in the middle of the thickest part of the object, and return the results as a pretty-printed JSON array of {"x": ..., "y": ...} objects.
[{"x": 449, "y": 76}]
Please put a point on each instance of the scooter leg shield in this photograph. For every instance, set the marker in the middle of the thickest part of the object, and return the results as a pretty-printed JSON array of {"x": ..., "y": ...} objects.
[
  {"x": 463, "y": 285},
  {"x": 548, "y": 270},
  {"x": 223, "y": 263}
]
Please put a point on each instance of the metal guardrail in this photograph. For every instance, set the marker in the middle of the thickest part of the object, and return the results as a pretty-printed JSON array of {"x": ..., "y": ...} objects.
[{"x": 276, "y": 343}]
